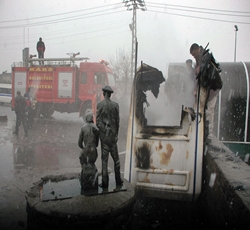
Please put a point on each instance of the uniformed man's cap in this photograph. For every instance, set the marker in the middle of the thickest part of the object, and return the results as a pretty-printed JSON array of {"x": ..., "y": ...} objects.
[
  {"x": 18, "y": 92},
  {"x": 107, "y": 89}
]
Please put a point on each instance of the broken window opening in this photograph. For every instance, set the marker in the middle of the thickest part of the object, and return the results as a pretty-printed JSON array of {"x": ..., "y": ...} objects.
[{"x": 160, "y": 103}]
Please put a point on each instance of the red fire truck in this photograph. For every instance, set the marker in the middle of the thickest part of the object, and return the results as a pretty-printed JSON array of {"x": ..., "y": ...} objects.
[{"x": 60, "y": 85}]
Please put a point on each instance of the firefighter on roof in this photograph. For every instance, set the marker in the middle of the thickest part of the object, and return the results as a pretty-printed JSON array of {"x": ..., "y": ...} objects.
[{"x": 40, "y": 47}]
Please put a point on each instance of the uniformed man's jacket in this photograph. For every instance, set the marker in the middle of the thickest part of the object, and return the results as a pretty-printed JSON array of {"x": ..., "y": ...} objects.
[{"x": 107, "y": 119}]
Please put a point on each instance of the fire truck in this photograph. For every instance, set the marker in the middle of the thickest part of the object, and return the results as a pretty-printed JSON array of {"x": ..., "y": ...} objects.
[{"x": 60, "y": 84}]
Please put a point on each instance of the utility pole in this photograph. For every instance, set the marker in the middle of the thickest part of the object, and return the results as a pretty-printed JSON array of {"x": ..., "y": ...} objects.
[
  {"x": 134, "y": 5},
  {"x": 236, "y": 29}
]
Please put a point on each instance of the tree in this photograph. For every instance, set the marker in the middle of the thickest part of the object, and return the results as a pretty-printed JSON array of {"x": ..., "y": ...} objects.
[{"x": 120, "y": 63}]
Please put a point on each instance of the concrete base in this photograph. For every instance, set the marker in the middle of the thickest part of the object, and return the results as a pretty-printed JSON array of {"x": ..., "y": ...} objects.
[
  {"x": 226, "y": 188},
  {"x": 106, "y": 211}
]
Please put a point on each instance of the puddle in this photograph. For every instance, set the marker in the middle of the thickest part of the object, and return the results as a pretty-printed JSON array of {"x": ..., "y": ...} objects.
[
  {"x": 6, "y": 162},
  {"x": 36, "y": 155},
  {"x": 59, "y": 190},
  {"x": 45, "y": 155}
]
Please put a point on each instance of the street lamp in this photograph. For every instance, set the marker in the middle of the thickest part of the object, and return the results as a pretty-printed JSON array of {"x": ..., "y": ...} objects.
[{"x": 236, "y": 29}]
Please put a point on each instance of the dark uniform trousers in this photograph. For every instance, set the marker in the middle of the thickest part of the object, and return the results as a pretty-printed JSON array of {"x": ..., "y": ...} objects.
[
  {"x": 21, "y": 119},
  {"x": 113, "y": 150},
  {"x": 107, "y": 120}
]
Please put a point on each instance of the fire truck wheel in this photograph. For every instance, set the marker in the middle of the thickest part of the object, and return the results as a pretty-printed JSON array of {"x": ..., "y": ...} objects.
[
  {"x": 48, "y": 110},
  {"x": 38, "y": 110}
]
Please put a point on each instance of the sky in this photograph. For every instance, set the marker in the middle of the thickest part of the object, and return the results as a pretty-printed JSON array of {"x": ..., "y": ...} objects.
[{"x": 99, "y": 28}]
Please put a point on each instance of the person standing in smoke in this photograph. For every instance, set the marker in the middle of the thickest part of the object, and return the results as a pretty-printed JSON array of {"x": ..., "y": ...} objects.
[
  {"x": 30, "y": 102},
  {"x": 107, "y": 120},
  {"x": 207, "y": 71},
  {"x": 20, "y": 109},
  {"x": 40, "y": 47},
  {"x": 89, "y": 136}
]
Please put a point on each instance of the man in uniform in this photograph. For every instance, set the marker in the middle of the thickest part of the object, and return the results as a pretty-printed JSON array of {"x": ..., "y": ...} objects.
[
  {"x": 40, "y": 47},
  {"x": 107, "y": 120},
  {"x": 20, "y": 109}
]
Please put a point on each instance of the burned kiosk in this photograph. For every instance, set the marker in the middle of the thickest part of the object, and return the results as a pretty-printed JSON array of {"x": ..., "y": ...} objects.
[{"x": 165, "y": 142}]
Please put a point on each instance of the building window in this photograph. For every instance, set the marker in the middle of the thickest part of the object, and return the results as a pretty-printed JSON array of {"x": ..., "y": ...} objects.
[
  {"x": 100, "y": 78},
  {"x": 84, "y": 78}
]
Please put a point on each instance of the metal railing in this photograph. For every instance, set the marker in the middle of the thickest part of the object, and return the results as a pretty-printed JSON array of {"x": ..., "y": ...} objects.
[{"x": 49, "y": 62}]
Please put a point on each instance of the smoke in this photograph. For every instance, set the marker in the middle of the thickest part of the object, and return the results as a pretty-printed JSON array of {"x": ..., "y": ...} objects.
[
  {"x": 163, "y": 111},
  {"x": 176, "y": 93}
]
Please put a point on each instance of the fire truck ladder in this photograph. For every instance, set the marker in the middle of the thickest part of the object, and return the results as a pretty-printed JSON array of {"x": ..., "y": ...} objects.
[{"x": 55, "y": 61}]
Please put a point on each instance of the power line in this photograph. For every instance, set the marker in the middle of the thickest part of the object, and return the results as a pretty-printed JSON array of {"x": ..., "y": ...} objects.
[
  {"x": 58, "y": 20},
  {"x": 54, "y": 15},
  {"x": 94, "y": 28},
  {"x": 189, "y": 16},
  {"x": 93, "y": 14},
  {"x": 82, "y": 39},
  {"x": 76, "y": 40},
  {"x": 78, "y": 34},
  {"x": 196, "y": 10},
  {"x": 88, "y": 15},
  {"x": 86, "y": 28},
  {"x": 67, "y": 36},
  {"x": 199, "y": 8}
]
